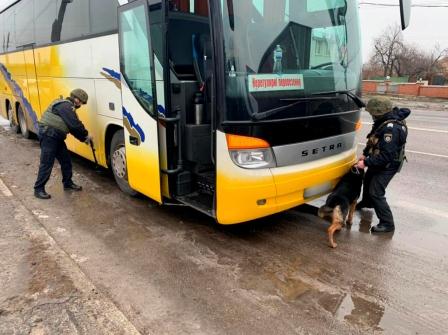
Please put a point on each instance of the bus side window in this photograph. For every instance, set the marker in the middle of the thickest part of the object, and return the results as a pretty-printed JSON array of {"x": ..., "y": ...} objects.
[
  {"x": 73, "y": 19},
  {"x": 44, "y": 15},
  {"x": 23, "y": 29},
  {"x": 103, "y": 16}
]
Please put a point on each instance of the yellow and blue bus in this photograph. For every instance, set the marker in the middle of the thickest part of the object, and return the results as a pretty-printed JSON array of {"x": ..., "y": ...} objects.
[{"x": 238, "y": 108}]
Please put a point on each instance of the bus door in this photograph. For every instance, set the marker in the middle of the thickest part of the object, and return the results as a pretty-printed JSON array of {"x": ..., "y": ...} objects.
[{"x": 139, "y": 105}]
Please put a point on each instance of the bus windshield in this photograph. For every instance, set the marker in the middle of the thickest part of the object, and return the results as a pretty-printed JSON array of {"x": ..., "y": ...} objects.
[{"x": 279, "y": 50}]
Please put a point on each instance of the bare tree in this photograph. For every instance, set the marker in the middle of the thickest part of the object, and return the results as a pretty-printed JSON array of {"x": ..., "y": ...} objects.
[
  {"x": 433, "y": 65},
  {"x": 410, "y": 62},
  {"x": 417, "y": 63},
  {"x": 387, "y": 47},
  {"x": 392, "y": 56}
]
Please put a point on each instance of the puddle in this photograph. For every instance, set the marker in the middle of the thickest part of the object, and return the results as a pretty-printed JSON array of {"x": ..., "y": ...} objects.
[
  {"x": 345, "y": 308},
  {"x": 365, "y": 222},
  {"x": 276, "y": 280},
  {"x": 288, "y": 288},
  {"x": 358, "y": 312}
]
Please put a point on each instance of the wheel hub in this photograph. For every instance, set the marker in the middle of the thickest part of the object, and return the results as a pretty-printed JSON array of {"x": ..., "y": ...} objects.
[
  {"x": 119, "y": 162},
  {"x": 10, "y": 117},
  {"x": 22, "y": 122}
]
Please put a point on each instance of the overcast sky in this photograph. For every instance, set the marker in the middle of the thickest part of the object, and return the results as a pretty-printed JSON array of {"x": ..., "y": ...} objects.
[{"x": 428, "y": 25}]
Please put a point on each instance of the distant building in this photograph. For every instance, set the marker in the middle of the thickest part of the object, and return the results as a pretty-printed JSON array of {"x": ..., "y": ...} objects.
[
  {"x": 444, "y": 66},
  {"x": 441, "y": 77}
]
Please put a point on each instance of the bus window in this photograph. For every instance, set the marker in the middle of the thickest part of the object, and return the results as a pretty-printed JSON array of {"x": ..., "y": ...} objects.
[
  {"x": 103, "y": 16},
  {"x": 45, "y": 13},
  {"x": 318, "y": 5},
  {"x": 327, "y": 46},
  {"x": 318, "y": 43},
  {"x": 2, "y": 35},
  {"x": 24, "y": 30},
  {"x": 135, "y": 56},
  {"x": 10, "y": 43},
  {"x": 75, "y": 18}
]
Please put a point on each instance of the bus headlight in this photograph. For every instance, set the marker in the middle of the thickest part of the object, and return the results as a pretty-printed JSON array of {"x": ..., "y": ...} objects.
[
  {"x": 253, "y": 159},
  {"x": 250, "y": 152}
]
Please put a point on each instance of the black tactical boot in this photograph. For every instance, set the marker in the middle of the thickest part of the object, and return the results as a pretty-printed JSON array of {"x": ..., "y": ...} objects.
[
  {"x": 383, "y": 228},
  {"x": 41, "y": 194},
  {"x": 72, "y": 187}
]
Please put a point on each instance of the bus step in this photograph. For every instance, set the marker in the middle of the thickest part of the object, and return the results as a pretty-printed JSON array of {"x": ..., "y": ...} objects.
[
  {"x": 199, "y": 201},
  {"x": 206, "y": 183}
]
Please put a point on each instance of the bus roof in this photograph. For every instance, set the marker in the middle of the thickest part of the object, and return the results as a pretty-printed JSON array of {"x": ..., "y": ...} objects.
[{"x": 4, "y": 4}]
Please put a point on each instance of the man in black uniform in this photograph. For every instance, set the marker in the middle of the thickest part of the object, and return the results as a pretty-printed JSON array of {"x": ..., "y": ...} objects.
[
  {"x": 59, "y": 120},
  {"x": 383, "y": 156}
]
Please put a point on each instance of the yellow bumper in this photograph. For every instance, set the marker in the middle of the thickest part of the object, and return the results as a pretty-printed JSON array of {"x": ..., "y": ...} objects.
[{"x": 244, "y": 194}]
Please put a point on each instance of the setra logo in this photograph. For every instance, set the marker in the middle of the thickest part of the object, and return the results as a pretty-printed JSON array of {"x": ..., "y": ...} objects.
[{"x": 321, "y": 150}]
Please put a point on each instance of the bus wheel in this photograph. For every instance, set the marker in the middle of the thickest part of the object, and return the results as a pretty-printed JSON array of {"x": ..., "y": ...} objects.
[
  {"x": 118, "y": 163},
  {"x": 12, "y": 124},
  {"x": 22, "y": 122}
]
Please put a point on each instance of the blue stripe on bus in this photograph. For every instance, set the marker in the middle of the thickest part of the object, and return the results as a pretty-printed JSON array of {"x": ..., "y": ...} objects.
[
  {"x": 116, "y": 75},
  {"x": 112, "y": 73},
  {"x": 19, "y": 93},
  {"x": 134, "y": 125}
]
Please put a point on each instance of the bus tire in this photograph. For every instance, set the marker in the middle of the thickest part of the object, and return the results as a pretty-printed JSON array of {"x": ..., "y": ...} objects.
[
  {"x": 118, "y": 163},
  {"x": 12, "y": 123},
  {"x": 22, "y": 123}
]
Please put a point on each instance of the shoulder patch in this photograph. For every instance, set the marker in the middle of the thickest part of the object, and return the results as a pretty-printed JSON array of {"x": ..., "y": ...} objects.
[
  {"x": 388, "y": 137},
  {"x": 390, "y": 125}
]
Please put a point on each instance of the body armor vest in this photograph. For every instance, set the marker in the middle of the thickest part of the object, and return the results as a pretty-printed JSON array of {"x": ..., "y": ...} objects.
[
  {"x": 373, "y": 147},
  {"x": 50, "y": 119}
]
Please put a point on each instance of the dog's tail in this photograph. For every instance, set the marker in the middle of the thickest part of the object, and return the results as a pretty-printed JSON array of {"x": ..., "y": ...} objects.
[{"x": 325, "y": 211}]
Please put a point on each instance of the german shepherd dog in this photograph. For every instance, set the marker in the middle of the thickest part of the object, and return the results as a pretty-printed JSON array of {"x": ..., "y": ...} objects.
[{"x": 341, "y": 203}]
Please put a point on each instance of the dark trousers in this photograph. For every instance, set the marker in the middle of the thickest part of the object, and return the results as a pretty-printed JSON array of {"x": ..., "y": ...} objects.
[
  {"x": 374, "y": 190},
  {"x": 52, "y": 148}
]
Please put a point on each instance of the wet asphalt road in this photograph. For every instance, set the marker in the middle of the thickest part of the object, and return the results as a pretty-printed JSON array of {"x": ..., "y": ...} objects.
[{"x": 171, "y": 270}]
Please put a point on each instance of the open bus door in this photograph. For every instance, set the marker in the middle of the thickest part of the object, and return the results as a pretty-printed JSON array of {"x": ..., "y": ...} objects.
[{"x": 139, "y": 99}]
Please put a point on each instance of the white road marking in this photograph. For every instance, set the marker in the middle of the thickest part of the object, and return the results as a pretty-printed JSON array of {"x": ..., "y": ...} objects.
[
  {"x": 421, "y": 129},
  {"x": 5, "y": 190},
  {"x": 417, "y": 152}
]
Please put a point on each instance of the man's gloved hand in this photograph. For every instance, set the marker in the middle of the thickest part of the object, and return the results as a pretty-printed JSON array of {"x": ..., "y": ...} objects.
[
  {"x": 360, "y": 165},
  {"x": 88, "y": 140}
]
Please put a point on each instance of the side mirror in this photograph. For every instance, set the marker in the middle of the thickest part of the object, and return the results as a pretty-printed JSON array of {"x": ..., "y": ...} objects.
[{"x": 405, "y": 12}]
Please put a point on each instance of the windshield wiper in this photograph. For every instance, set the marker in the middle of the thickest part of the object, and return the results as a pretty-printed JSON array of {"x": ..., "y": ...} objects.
[
  {"x": 312, "y": 97},
  {"x": 348, "y": 93}
]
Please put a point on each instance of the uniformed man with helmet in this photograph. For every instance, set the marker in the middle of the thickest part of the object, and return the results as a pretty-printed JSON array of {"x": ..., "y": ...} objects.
[
  {"x": 57, "y": 121},
  {"x": 383, "y": 156}
]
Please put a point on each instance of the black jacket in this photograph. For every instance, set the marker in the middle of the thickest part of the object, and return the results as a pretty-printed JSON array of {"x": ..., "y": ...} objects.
[{"x": 386, "y": 141}]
